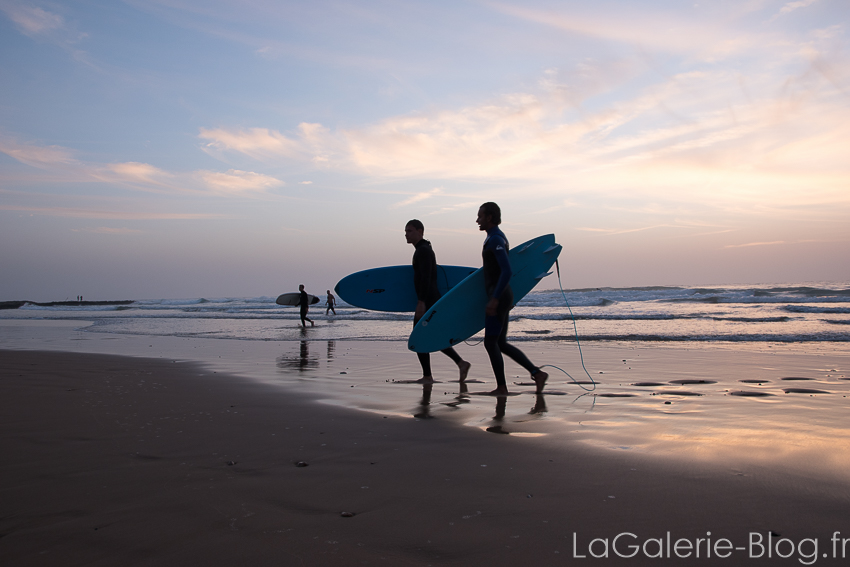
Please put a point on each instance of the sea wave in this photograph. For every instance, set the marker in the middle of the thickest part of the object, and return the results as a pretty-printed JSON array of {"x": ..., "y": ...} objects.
[{"x": 815, "y": 309}]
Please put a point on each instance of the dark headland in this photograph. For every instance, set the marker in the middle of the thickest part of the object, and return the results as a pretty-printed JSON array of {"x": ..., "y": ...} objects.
[{"x": 17, "y": 304}]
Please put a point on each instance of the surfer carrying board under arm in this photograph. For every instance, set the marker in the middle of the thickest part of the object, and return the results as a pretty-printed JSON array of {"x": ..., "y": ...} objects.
[
  {"x": 305, "y": 306},
  {"x": 427, "y": 294},
  {"x": 497, "y": 277}
]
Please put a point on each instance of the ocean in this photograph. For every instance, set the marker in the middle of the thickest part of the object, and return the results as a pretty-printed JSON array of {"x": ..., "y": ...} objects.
[{"x": 792, "y": 313}]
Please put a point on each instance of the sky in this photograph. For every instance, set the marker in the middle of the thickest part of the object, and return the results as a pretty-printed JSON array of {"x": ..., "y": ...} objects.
[{"x": 211, "y": 148}]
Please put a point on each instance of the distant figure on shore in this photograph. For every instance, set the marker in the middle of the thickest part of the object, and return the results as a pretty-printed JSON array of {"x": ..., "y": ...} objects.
[
  {"x": 427, "y": 294},
  {"x": 305, "y": 306},
  {"x": 497, "y": 278},
  {"x": 330, "y": 303}
]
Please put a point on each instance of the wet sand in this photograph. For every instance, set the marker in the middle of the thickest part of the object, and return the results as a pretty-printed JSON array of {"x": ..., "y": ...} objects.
[{"x": 138, "y": 461}]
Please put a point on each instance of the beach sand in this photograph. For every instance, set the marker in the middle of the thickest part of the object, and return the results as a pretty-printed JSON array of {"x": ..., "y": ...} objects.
[{"x": 110, "y": 460}]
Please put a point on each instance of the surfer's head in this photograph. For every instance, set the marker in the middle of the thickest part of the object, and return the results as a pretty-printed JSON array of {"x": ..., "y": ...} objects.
[
  {"x": 489, "y": 215},
  {"x": 301, "y": 287},
  {"x": 414, "y": 231}
]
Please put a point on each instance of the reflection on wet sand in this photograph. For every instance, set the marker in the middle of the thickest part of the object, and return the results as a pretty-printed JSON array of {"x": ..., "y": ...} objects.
[
  {"x": 303, "y": 361},
  {"x": 724, "y": 405},
  {"x": 498, "y": 426},
  {"x": 423, "y": 410}
]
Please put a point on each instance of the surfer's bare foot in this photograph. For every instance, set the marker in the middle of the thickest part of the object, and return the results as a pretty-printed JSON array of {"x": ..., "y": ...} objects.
[
  {"x": 426, "y": 380},
  {"x": 498, "y": 392},
  {"x": 540, "y": 378},
  {"x": 464, "y": 367}
]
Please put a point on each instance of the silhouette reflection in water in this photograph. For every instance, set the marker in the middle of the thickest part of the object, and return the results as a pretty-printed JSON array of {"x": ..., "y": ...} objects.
[
  {"x": 423, "y": 411},
  {"x": 303, "y": 361},
  {"x": 539, "y": 408},
  {"x": 461, "y": 398},
  {"x": 501, "y": 405}
]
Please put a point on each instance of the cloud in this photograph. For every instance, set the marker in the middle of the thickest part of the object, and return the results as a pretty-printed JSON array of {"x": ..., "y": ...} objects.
[
  {"x": 657, "y": 31},
  {"x": 719, "y": 142},
  {"x": 136, "y": 171},
  {"x": 38, "y": 23},
  {"x": 258, "y": 143},
  {"x": 32, "y": 20},
  {"x": 238, "y": 182},
  {"x": 791, "y": 6},
  {"x": 468, "y": 205},
  {"x": 748, "y": 244},
  {"x": 43, "y": 157},
  {"x": 80, "y": 212},
  {"x": 417, "y": 198},
  {"x": 137, "y": 175}
]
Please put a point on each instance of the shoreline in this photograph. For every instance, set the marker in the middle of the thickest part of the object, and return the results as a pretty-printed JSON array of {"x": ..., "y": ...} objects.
[{"x": 120, "y": 459}]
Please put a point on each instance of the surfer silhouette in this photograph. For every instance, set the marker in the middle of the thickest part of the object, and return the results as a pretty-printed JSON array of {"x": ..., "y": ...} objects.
[
  {"x": 497, "y": 277},
  {"x": 305, "y": 306},
  {"x": 330, "y": 303},
  {"x": 427, "y": 294}
]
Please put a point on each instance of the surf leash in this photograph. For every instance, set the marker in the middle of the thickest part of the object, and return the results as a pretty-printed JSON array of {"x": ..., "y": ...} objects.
[{"x": 578, "y": 343}]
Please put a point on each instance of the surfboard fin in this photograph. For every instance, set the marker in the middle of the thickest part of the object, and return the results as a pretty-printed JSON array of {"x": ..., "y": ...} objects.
[
  {"x": 543, "y": 275},
  {"x": 551, "y": 248}
]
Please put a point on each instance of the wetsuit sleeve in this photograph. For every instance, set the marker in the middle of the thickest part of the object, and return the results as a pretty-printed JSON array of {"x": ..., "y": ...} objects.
[
  {"x": 424, "y": 262},
  {"x": 501, "y": 254}
]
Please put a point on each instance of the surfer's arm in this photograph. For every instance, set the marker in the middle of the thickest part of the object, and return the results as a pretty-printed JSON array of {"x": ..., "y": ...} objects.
[
  {"x": 501, "y": 254},
  {"x": 423, "y": 266}
]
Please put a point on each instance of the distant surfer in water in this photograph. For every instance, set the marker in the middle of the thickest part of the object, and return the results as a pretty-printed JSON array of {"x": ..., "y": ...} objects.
[
  {"x": 427, "y": 293},
  {"x": 330, "y": 303},
  {"x": 497, "y": 277},
  {"x": 304, "y": 303}
]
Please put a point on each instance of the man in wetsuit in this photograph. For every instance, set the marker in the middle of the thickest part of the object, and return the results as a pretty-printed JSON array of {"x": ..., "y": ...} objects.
[
  {"x": 427, "y": 293},
  {"x": 331, "y": 302},
  {"x": 497, "y": 277},
  {"x": 304, "y": 304}
]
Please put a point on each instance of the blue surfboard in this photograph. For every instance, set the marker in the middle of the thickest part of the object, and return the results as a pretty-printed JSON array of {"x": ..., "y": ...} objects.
[
  {"x": 459, "y": 314},
  {"x": 391, "y": 288}
]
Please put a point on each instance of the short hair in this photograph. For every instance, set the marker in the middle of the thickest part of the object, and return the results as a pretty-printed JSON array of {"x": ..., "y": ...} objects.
[
  {"x": 417, "y": 224},
  {"x": 492, "y": 210},
  {"x": 300, "y": 286}
]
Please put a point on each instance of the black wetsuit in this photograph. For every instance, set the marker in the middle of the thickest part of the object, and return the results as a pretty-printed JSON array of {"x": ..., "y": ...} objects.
[
  {"x": 425, "y": 283},
  {"x": 304, "y": 303},
  {"x": 497, "y": 277}
]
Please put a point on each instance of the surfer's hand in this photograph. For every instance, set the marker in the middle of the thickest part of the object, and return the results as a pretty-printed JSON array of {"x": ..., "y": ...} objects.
[
  {"x": 420, "y": 309},
  {"x": 492, "y": 305}
]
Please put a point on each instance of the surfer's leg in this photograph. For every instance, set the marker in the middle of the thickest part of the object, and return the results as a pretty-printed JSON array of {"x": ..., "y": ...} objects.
[
  {"x": 462, "y": 365},
  {"x": 492, "y": 330},
  {"x": 517, "y": 355},
  {"x": 424, "y": 362}
]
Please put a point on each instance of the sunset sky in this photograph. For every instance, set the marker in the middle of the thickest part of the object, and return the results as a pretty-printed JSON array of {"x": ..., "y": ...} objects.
[{"x": 211, "y": 148}]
